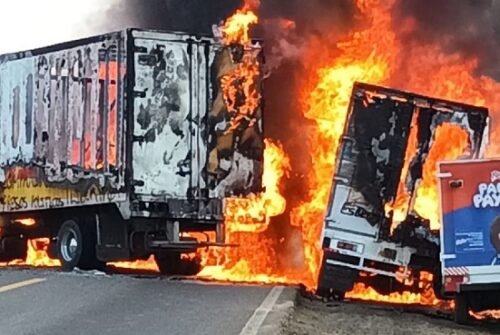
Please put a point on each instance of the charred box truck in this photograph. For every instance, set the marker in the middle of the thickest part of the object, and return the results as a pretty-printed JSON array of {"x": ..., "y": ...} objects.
[
  {"x": 117, "y": 147},
  {"x": 387, "y": 140}
]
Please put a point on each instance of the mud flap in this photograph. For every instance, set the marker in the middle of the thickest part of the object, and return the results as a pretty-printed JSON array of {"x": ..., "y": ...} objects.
[{"x": 112, "y": 237}]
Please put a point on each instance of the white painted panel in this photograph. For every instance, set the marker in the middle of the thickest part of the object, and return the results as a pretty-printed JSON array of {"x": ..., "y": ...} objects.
[
  {"x": 162, "y": 161},
  {"x": 13, "y": 89}
]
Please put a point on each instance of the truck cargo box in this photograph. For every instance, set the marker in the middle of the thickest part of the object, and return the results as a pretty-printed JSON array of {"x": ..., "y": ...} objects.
[{"x": 134, "y": 117}]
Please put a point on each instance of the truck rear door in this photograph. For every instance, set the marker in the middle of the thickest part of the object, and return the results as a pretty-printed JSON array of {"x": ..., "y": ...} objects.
[
  {"x": 470, "y": 234},
  {"x": 170, "y": 101}
]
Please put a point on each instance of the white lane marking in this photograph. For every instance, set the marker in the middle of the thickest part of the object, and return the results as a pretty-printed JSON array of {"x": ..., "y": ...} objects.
[
  {"x": 21, "y": 284},
  {"x": 259, "y": 315}
]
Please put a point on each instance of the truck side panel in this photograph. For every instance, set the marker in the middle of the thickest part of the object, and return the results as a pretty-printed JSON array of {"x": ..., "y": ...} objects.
[
  {"x": 470, "y": 200},
  {"x": 61, "y": 120}
]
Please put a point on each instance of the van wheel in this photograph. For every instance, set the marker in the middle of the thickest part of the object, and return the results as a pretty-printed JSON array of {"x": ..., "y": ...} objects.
[
  {"x": 76, "y": 245},
  {"x": 69, "y": 245},
  {"x": 462, "y": 309},
  {"x": 172, "y": 263}
]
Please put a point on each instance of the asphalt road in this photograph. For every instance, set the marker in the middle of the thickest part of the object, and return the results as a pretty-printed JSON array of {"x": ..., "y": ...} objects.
[{"x": 48, "y": 302}]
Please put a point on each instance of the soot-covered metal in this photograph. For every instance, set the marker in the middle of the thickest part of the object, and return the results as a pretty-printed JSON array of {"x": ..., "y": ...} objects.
[
  {"x": 61, "y": 118},
  {"x": 130, "y": 116},
  {"x": 378, "y": 131}
]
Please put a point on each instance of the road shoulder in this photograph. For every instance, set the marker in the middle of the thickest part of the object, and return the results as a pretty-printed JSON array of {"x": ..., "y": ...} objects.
[{"x": 281, "y": 313}]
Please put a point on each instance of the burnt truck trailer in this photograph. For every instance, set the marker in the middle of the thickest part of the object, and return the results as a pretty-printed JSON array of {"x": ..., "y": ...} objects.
[
  {"x": 388, "y": 138},
  {"x": 116, "y": 147}
]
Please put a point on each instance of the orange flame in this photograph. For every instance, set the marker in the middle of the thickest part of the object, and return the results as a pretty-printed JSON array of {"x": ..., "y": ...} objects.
[
  {"x": 252, "y": 214},
  {"x": 148, "y": 264},
  {"x": 426, "y": 295},
  {"x": 242, "y": 82},
  {"x": 37, "y": 254},
  {"x": 27, "y": 222},
  {"x": 246, "y": 222},
  {"x": 236, "y": 28}
]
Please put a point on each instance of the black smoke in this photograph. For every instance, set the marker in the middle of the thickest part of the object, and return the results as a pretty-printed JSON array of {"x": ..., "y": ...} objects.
[
  {"x": 193, "y": 16},
  {"x": 469, "y": 27}
]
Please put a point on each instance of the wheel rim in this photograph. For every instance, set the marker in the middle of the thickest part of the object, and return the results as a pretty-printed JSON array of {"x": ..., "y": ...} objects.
[{"x": 69, "y": 245}]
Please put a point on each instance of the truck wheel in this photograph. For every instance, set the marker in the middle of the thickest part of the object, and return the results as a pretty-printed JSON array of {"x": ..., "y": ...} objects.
[
  {"x": 462, "y": 309},
  {"x": 323, "y": 292},
  {"x": 171, "y": 263},
  {"x": 76, "y": 245},
  {"x": 69, "y": 245}
]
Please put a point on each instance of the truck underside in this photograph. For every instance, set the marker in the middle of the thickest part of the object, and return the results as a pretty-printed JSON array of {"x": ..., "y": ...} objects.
[
  {"x": 389, "y": 136},
  {"x": 89, "y": 237}
]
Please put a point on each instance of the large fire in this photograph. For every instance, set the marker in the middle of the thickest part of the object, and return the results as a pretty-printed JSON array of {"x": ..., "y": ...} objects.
[{"x": 373, "y": 52}]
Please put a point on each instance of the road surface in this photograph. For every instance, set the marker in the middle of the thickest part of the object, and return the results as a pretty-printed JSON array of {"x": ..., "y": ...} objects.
[{"x": 49, "y": 302}]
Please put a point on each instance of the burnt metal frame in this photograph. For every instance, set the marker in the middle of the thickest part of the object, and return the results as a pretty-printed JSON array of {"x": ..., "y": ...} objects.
[{"x": 411, "y": 98}]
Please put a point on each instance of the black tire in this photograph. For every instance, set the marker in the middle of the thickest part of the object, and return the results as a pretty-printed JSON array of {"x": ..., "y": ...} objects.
[
  {"x": 323, "y": 292},
  {"x": 329, "y": 294},
  {"x": 76, "y": 245},
  {"x": 462, "y": 309},
  {"x": 171, "y": 263},
  {"x": 69, "y": 245}
]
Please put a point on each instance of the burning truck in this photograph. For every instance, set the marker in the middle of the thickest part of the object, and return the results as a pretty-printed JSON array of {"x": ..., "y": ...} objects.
[
  {"x": 121, "y": 146},
  {"x": 372, "y": 232}
]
